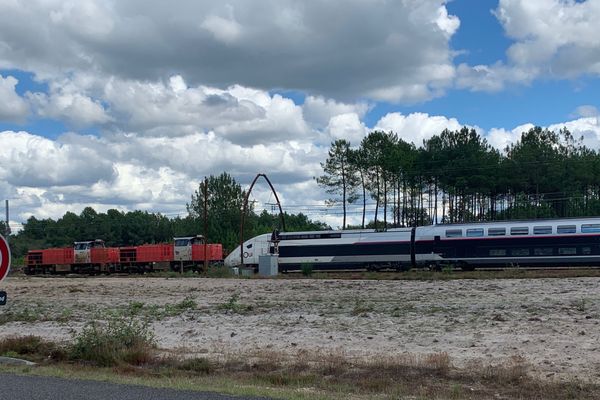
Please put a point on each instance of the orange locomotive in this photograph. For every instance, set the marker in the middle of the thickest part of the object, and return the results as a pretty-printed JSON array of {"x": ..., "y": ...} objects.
[{"x": 93, "y": 257}]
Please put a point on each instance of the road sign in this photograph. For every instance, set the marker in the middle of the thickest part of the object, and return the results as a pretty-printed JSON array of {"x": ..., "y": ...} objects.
[{"x": 4, "y": 258}]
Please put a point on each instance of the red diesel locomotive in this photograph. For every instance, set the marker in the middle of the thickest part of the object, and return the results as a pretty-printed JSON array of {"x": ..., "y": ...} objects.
[{"x": 93, "y": 257}]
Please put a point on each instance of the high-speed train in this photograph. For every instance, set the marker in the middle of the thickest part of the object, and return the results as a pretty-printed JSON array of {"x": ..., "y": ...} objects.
[{"x": 544, "y": 243}]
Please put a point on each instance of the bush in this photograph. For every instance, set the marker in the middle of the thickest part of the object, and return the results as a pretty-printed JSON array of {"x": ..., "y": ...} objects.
[
  {"x": 120, "y": 340},
  {"x": 31, "y": 347},
  {"x": 307, "y": 269}
]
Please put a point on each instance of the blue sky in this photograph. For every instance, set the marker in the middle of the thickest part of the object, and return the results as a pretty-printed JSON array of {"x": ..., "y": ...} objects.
[{"x": 126, "y": 104}]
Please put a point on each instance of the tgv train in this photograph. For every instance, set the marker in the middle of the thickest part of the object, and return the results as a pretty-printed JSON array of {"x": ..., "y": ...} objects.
[{"x": 543, "y": 243}]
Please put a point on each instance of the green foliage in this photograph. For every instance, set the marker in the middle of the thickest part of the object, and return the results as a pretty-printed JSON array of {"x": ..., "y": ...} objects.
[
  {"x": 307, "y": 269},
  {"x": 234, "y": 306},
  {"x": 198, "y": 365},
  {"x": 122, "y": 340},
  {"x": 340, "y": 175},
  {"x": 456, "y": 176}
]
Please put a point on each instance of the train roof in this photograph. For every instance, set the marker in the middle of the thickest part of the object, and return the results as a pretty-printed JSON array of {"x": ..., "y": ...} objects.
[{"x": 571, "y": 220}]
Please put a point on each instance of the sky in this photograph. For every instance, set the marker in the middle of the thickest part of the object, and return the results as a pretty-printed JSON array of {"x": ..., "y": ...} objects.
[{"x": 129, "y": 104}]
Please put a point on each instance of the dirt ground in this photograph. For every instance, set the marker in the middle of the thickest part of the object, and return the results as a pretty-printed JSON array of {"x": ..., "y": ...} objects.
[{"x": 553, "y": 324}]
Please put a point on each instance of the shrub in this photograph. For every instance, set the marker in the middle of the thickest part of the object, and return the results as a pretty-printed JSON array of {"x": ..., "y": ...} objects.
[
  {"x": 120, "y": 340},
  {"x": 307, "y": 269},
  {"x": 31, "y": 347}
]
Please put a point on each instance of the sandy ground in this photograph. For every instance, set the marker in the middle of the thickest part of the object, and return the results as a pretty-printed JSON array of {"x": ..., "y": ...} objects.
[{"x": 552, "y": 323}]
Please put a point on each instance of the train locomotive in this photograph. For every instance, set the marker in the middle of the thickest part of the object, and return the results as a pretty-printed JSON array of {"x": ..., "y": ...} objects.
[
  {"x": 533, "y": 243},
  {"x": 93, "y": 257}
]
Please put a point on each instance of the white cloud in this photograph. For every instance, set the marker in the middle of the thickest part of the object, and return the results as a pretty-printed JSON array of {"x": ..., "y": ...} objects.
[
  {"x": 416, "y": 127},
  {"x": 347, "y": 126},
  {"x": 318, "y": 110},
  {"x": 74, "y": 108},
  {"x": 551, "y": 39},
  {"x": 586, "y": 111},
  {"x": 12, "y": 107},
  {"x": 587, "y": 128},
  {"x": 30, "y": 160},
  {"x": 224, "y": 29},
  {"x": 500, "y": 138}
]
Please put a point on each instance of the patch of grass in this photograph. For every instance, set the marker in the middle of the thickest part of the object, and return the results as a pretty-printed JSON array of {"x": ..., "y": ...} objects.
[
  {"x": 234, "y": 306},
  {"x": 580, "y": 305},
  {"x": 307, "y": 269},
  {"x": 199, "y": 365},
  {"x": 172, "y": 310},
  {"x": 120, "y": 340},
  {"x": 32, "y": 348},
  {"x": 218, "y": 271},
  {"x": 361, "y": 309},
  {"x": 26, "y": 314}
]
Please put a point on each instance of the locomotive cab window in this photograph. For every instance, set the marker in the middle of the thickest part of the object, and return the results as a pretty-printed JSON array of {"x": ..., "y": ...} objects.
[
  {"x": 590, "y": 228},
  {"x": 542, "y": 230},
  {"x": 475, "y": 232},
  {"x": 519, "y": 230},
  {"x": 566, "y": 229},
  {"x": 496, "y": 231},
  {"x": 453, "y": 233}
]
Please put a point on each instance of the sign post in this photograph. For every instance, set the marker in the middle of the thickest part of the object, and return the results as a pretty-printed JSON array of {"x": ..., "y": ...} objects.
[{"x": 4, "y": 265}]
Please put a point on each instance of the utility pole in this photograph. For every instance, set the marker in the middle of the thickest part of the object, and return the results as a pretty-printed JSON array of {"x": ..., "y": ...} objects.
[
  {"x": 7, "y": 230},
  {"x": 205, "y": 223}
]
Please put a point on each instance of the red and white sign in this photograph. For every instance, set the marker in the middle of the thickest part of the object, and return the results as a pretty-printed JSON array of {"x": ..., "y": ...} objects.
[{"x": 4, "y": 257}]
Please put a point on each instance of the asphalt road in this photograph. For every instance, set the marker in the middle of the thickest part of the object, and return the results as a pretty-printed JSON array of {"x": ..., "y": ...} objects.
[{"x": 16, "y": 387}]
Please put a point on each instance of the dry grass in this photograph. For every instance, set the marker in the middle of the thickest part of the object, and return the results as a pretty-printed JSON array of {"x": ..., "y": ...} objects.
[{"x": 334, "y": 374}]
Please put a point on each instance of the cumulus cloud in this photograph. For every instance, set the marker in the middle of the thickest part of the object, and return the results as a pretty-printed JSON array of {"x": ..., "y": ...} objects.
[
  {"x": 319, "y": 110},
  {"x": 74, "y": 108},
  {"x": 347, "y": 126},
  {"x": 416, "y": 127},
  {"x": 35, "y": 161},
  {"x": 12, "y": 107},
  {"x": 339, "y": 49},
  {"x": 551, "y": 38}
]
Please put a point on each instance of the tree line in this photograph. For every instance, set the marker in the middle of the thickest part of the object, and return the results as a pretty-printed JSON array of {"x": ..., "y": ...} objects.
[
  {"x": 457, "y": 176},
  {"x": 117, "y": 228}
]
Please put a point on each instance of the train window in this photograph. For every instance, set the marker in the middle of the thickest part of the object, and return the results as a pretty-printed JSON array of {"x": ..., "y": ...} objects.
[
  {"x": 453, "y": 233},
  {"x": 590, "y": 228},
  {"x": 519, "y": 230},
  {"x": 567, "y": 251},
  {"x": 566, "y": 229},
  {"x": 475, "y": 232},
  {"x": 586, "y": 251},
  {"x": 496, "y": 231},
  {"x": 519, "y": 252},
  {"x": 542, "y": 230},
  {"x": 497, "y": 252},
  {"x": 543, "y": 251}
]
